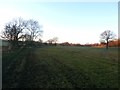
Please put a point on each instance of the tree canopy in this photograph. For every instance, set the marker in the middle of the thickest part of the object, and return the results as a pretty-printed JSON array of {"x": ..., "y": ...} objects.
[
  {"x": 21, "y": 29},
  {"x": 106, "y": 36}
]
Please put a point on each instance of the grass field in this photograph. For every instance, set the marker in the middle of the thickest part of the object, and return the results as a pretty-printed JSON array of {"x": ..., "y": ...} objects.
[{"x": 61, "y": 67}]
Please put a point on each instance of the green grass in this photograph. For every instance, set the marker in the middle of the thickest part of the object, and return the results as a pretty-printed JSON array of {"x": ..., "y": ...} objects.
[{"x": 61, "y": 67}]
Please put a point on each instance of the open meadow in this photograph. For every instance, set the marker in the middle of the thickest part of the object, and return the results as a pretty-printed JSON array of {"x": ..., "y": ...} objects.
[{"x": 61, "y": 67}]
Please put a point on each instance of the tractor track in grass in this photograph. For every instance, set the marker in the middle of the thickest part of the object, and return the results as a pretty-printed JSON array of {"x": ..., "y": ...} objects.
[
  {"x": 94, "y": 70},
  {"x": 77, "y": 78},
  {"x": 51, "y": 73},
  {"x": 12, "y": 71},
  {"x": 39, "y": 74},
  {"x": 57, "y": 68}
]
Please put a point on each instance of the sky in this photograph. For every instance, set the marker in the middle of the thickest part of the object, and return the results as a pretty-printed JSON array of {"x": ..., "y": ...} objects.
[{"x": 74, "y": 22}]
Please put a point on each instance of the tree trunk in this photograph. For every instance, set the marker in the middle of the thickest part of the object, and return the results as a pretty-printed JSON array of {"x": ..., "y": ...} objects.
[{"x": 107, "y": 44}]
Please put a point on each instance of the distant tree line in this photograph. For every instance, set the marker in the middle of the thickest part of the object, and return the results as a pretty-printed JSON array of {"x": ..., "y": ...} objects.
[
  {"x": 112, "y": 43},
  {"x": 20, "y": 33}
]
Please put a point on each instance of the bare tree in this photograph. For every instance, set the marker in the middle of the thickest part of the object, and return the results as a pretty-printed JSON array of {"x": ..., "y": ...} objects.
[
  {"x": 107, "y": 36},
  {"x": 55, "y": 39},
  {"x": 34, "y": 29},
  {"x": 17, "y": 29},
  {"x": 50, "y": 41},
  {"x": 40, "y": 40},
  {"x": 13, "y": 29}
]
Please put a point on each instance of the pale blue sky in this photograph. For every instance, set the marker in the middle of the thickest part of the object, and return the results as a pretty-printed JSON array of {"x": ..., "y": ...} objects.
[{"x": 75, "y": 22}]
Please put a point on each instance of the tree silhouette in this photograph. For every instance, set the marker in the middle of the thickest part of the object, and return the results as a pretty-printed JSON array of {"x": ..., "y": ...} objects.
[
  {"x": 53, "y": 41},
  {"x": 50, "y": 41},
  {"x": 106, "y": 36},
  {"x": 14, "y": 30},
  {"x": 34, "y": 29}
]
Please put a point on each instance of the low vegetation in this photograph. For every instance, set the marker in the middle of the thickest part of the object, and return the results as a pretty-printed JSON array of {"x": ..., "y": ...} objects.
[{"x": 61, "y": 67}]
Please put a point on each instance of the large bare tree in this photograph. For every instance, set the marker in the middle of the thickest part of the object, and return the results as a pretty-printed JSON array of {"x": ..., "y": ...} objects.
[
  {"x": 34, "y": 29},
  {"x": 13, "y": 29},
  {"x": 106, "y": 36},
  {"x": 21, "y": 29}
]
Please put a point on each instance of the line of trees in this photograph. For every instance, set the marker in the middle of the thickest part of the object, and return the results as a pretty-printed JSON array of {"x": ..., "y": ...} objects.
[
  {"x": 28, "y": 30},
  {"x": 112, "y": 43}
]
